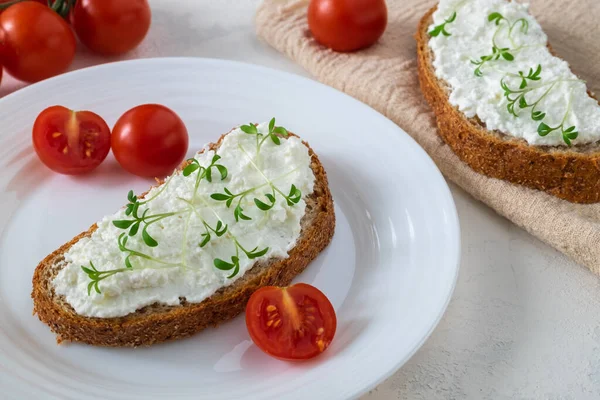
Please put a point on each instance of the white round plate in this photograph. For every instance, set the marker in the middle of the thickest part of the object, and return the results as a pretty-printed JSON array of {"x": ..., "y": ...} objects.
[{"x": 389, "y": 271}]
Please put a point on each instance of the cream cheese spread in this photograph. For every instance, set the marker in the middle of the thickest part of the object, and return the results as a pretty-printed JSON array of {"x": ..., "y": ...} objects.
[
  {"x": 182, "y": 263},
  {"x": 554, "y": 104}
]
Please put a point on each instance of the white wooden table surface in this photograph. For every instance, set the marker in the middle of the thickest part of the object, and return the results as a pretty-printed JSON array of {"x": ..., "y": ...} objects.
[{"x": 524, "y": 322}]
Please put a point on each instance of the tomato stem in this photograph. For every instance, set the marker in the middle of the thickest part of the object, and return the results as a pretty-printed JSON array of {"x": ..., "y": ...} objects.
[{"x": 62, "y": 7}]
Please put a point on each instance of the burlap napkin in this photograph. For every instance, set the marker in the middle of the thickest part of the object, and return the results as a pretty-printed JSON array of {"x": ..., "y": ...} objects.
[{"x": 385, "y": 77}]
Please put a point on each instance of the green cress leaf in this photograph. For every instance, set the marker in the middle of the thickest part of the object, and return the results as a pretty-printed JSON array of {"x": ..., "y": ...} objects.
[
  {"x": 206, "y": 239},
  {"x": 255, "y": 254},
  {"x": 134, "y": 229},
  {"x": 523, "y": 84},
  {"x": 222, "y": 265},
  {"x": 222, "y": 170},
  {"x": 495, "y": 16},
  {"x": 187, "y": 171},
  {"x": 219, "y": 196},
  {"x": 123, "y": 223},
  {"x": 543, "y": 129},
  {"x": 261, "y": 205},
  {"x": 452, "y": 18},
  {"x": 238, "y": 213},
  {"x": 507, "y": 56},
  {"x": 522, "y": 102},
  {"x": 295, "y": 194},
  {"x": 249, "y": 129},
  {"x": 275, "y": 139},
  {"x": 271, "y": 124},
  {"x": 128, "y": 262},
  {"x": 538, "y": 115},
  {"x": 436, "y": 30},
  {"x": 280, "y": 130},
  {"x": 149, "y": 240}
]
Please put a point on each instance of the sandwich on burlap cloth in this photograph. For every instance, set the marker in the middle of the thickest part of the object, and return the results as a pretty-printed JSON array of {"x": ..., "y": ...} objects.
[{"x": 385, "y": 77}]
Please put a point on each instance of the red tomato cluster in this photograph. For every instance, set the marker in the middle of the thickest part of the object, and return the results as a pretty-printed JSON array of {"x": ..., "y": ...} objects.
[
  {"x": 149, "y": 140},
  {"x": 37, "y": 42}
]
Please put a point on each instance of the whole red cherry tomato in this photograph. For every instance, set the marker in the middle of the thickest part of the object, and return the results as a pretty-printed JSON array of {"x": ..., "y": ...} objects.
[
  {"x": 292, "y": 323},
  {"x": 111, "y": 27},
  {"x": 347, "y": 25},
  {"x": 70, "y": 142},
  {"x": 4, "y": 4},
  {"x": 35, "y": 42},
  {"x": 150, "y": 140}
]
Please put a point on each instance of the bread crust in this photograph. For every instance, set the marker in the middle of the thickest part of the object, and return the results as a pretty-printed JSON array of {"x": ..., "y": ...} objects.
[
  {"x": 159, "y": 323},
  {"x": 571, "y": 174}
]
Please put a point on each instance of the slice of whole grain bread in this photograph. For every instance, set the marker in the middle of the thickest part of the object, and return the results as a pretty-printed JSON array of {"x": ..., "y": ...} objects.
[
  {"x": 158, "y": 323},
  {"x": 572, "y": 173}
]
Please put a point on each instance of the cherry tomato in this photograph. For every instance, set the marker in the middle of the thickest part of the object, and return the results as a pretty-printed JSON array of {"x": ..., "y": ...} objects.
[
  {"x": 111, "y": 27},
  {"x": 35, "y": 42},
  {"x": 292, "y": 323},
  {"x": 4, "y": 4},
  {"x": 150, "y": 140},
  {"x": 347, "y": 25},
  {"x": 70, "y": 142}
]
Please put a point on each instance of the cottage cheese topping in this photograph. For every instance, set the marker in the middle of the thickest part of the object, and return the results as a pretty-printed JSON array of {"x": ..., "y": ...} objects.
[
  {"x": 472, "y": 35},
  {"x": 179, "y": 266}
]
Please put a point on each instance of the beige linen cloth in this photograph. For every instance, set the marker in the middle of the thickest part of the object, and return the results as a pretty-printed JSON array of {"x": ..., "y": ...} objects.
[{"x": 385, "y": 77}]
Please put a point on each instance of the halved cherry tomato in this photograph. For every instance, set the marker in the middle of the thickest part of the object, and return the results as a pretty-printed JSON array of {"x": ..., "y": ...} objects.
[
  {"x": 347, "y": 25},
  {"x": 70, "y": 142},
  {"x": 292, "y": 323},
  {"x": 35, "y": 42},
  {"x": 111, "y": 27},
  {"x": 150, "y": 140}
]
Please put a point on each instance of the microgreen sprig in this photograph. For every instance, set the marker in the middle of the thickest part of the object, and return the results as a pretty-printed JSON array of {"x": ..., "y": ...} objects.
[
  {"x": 498, "y": 51},
  {"x": 516, "y": 97},
  {"x": 218, "y": 230},
  {"x": 146, "y": 220},
  {"x": 235, "y": 260},
  {"x": 441, "y": 28},
  {"x": 293, "y": 197},
  {"x": 122, "y": 243},
  {"x": 273, "y": 134},
  {"x": 97, "y": 276},
  {"x": 194, "y": 165},
  {"x": 568, "y": 134},
  {"x": 523, "y": 90}
]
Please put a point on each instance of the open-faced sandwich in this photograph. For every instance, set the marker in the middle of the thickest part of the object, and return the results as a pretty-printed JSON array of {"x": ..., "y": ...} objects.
[
  {"x": 504, "y": 102},
  {"x": 252, "y": 210}
]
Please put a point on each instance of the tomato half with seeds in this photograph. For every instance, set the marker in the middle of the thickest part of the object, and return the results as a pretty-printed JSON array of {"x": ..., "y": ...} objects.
[
  {"x": 70, "y": 142},
  {"x": 291, "y": 323}
]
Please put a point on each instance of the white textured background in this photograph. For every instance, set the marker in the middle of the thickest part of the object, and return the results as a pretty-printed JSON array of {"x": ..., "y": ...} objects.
[{"x": 524, "y": 322}]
